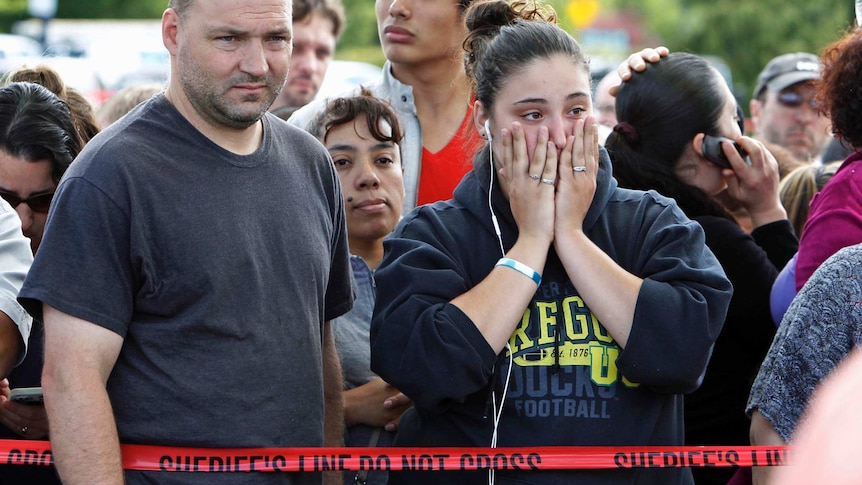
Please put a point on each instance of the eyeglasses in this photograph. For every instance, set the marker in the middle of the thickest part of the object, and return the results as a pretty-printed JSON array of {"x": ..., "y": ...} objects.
[
  {"x": 789, "y": 99},
  {"x": 39, "y": 203}
]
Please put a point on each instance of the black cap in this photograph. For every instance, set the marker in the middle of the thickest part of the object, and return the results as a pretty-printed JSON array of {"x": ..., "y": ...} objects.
[{"x": 787, "y": 70}]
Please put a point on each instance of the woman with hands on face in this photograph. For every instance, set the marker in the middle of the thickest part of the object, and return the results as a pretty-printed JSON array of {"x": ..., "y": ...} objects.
[
  {"x": 542, "y": 305},
  {"x": 664, "y": 114}
]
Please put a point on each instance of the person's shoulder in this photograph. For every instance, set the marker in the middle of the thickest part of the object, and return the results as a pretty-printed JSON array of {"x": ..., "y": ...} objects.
[
  {"x": 826, "y": 304},
  {"x": 848, "y": 178},
  {"x": 845, "y": 263},
  {"x": 133, "y": 128},
  {"x": 285, "y": 129},
  {"x": 718, "y": 223},
  {"x": 851, "y": 253},
  {"x": 437, "y": 217},
  {"x": 852, "y": 172},
  {"x": 292, "y": 143},
  {"x": 648, "y": 203},
  {"x": 153, "y": 110},
  {"x": 723, "y": 234},
  {"x": 620, "y": 194},
  {"x": 147, "y": 133},
  {"x": 295, "y": 138}
]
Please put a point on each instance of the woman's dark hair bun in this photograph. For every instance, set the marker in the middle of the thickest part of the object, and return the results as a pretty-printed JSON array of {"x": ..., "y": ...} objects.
[{"x": 484, "y": 19}]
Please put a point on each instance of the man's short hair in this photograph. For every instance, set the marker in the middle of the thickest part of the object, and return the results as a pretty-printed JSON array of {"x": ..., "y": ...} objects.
[
  {"x": 785, "y": 71},
  {"x": 329, "y": 9},
  {"x": 180, "y": 6}
]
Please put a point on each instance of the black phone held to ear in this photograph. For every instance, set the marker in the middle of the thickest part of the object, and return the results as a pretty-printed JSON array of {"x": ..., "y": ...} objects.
[{"x": 712, "y": 151}]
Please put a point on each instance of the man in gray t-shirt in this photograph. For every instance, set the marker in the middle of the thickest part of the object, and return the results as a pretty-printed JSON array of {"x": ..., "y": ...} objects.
[{"x": 191, "y": 263}]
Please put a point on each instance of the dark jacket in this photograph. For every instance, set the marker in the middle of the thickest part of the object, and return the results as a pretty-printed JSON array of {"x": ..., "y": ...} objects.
[{"x": 715, "y": 413}]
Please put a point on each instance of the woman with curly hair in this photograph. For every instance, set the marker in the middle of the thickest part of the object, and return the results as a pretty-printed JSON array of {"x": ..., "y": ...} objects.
[{"x": 835, "y": 217}]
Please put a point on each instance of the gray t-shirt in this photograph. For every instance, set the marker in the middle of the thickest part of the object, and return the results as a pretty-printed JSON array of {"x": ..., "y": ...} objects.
[{"x": 218, "y": 270}]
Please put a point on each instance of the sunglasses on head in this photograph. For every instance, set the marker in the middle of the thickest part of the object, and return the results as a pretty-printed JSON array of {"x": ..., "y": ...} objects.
[
  {"x": 795, "y": 100},
  {"x": 38, "y": 203}
]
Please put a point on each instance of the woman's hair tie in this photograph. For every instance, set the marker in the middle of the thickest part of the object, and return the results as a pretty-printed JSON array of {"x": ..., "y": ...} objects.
[{"x": 629, "y": 132}]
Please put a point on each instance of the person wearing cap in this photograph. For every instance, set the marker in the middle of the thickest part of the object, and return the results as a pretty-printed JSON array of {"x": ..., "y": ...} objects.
[{"x": 783, "y": 109}]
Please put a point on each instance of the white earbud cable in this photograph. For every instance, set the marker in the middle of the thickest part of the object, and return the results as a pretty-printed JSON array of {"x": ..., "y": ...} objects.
[
  {"x": 491, "y": 186},
  {"x": 498, "y": 413}
]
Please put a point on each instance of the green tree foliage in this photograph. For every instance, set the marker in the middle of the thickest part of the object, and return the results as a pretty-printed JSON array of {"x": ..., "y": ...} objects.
[
  {"x": 359, "y": 40},
  {"x": 745, "y": 33},
  {"x": 17, "y": 7},
  {"x": 111, "y": 9},
  {"x": 11, "y": 11}
]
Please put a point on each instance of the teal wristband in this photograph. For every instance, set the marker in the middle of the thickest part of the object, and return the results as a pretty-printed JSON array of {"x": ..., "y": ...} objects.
[{"x": 521, "y": 268}]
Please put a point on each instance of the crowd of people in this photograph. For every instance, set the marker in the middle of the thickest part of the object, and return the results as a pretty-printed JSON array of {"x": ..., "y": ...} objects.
[{"x": 470, "y": 251}]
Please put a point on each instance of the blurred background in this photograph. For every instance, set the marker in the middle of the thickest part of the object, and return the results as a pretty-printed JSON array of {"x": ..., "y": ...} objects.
[{"x": 100, "y": 46}]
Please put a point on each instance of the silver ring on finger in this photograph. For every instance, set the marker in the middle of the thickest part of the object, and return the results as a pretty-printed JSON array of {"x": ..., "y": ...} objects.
[
  {"x": 548, "y": 181},
  {"x": 534, "y": 177},
  {"x": 579, "y": 168}
]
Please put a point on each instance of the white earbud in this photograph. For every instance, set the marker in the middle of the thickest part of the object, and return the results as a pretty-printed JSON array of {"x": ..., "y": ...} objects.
[{"x": 488, "y": 129}]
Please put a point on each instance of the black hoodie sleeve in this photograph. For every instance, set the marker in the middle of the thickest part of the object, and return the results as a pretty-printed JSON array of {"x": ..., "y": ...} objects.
[
  {"x": 420, "y": 343},
  {"x": 680, "y": 309}
]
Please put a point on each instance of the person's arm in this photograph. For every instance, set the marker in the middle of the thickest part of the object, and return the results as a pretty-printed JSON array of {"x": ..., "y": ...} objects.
[
  {"x": 374, "y": 403},
  {"x": 11, "y": 344},
  {"x": 333, "y": 416},
  {"x": 610, "y": 290},
  {"x": 762, "y": 433},
  {"x": 15, "y": 260},
  {"x": 532, "y": 204},
  {"x": 79, "y": 357},
  {"x": 637, "y": 62}
]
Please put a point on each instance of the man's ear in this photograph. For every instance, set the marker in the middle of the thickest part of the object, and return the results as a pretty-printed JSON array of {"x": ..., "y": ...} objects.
[
  {"x": 170, "y": 27},
  {"x": 755, "y": 106}
]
